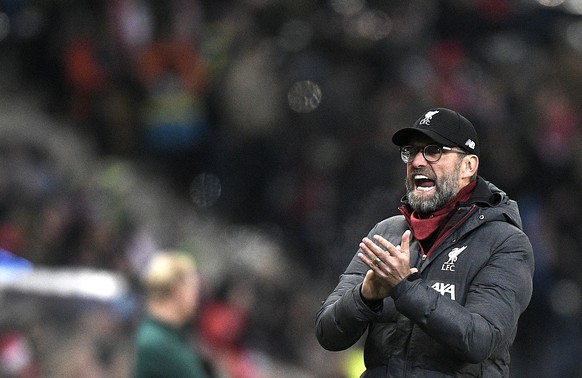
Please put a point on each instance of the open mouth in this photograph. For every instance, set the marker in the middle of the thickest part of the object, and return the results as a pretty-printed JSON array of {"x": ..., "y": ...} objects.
[{"x": 423, "y": 183}]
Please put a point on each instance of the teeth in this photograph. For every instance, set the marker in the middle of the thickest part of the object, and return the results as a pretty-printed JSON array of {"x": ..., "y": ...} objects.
[{"x": 423, "y": 188}]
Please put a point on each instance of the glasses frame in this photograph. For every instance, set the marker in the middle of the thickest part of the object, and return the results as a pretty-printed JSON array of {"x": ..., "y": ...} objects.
[{"x": 415, "y": 150}]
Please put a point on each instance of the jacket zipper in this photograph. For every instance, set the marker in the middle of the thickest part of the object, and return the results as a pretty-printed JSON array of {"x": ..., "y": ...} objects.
[{"x": 420, "y": 261}]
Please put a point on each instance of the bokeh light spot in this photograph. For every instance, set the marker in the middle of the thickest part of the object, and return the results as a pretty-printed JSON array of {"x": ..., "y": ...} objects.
[
  {"x": 205, "y": 190},
  {"x": 505, "y": 48},
  {"x": 347, "y": 7},
  {"x": 416, "y": 72},
  {"x": 304, "y": 96},
  {"x": 573, "y": 6},
  {"x": 373, "y": 25},
  {"x": 566, "y": 298}
]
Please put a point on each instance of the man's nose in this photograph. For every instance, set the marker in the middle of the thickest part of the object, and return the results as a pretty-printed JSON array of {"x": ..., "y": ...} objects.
[{"x": 418, "y": 160}]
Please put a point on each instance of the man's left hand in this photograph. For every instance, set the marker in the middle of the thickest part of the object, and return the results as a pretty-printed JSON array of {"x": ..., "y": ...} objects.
[{"x": 389, "y": 264}]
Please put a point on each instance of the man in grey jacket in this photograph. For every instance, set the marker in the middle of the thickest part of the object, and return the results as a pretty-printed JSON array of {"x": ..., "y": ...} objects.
[{"x": 440, "y": 288}]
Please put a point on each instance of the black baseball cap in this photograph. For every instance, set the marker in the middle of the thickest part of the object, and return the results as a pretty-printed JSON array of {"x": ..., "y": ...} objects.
[{"x": 444, "y": 126}]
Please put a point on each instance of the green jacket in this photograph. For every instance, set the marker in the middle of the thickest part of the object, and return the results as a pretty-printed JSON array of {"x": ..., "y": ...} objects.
[{"x": 162, "y": 352}]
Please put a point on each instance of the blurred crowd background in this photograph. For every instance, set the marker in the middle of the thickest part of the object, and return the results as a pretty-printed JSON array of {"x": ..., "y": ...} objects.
[{"x": 255, "y": 134}]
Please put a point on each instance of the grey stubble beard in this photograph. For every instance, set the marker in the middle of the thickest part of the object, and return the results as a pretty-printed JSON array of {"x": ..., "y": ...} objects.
[{"x": 446, "y": 189}]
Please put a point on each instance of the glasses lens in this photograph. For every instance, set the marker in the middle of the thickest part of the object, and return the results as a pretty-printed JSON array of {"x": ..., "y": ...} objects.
[
  {"x": 407, "y": 153},
  {"x": 432, "y": 152}
]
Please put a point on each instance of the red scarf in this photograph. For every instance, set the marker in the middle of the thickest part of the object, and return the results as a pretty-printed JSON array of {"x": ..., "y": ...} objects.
[{"x": 424, "y": 227}]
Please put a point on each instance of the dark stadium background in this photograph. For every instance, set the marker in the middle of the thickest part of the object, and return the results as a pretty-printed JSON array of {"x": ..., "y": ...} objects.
[{"x": 255, "y": 135}]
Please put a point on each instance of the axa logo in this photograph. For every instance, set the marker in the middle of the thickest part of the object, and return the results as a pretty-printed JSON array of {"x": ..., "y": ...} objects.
[
  {"x": 449, "y": 265},
  {"x": 427, "y": 117},
  {"x": 445, "y": 288}
]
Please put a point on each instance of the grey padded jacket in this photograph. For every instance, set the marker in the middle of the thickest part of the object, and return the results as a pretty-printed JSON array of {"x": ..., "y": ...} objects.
[{"x": 458, "y": 316}]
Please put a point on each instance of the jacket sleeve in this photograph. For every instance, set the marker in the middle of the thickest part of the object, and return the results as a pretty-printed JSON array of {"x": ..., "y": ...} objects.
[
  {"x": 344, "y": 316},
  {"x": 497, "y": 296}
]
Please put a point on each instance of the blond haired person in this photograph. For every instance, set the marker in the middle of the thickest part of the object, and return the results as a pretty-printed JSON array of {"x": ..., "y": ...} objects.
[{"x": 171, "y": 284}]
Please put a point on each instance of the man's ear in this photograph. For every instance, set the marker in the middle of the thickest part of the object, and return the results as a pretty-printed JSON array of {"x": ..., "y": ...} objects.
[{"x": 470, "y": 165}]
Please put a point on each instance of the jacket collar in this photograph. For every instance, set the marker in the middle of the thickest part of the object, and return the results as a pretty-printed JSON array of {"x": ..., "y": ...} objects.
[{"x": 486, "y": 194}]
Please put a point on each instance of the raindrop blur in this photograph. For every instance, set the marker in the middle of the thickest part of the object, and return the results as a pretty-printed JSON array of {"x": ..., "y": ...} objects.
[
  {"x": 205, "y": 190},
  {"x": 304, "y": 96},
  {"x": 4, "y": 26},
  {"x": 550, "y": 3}
]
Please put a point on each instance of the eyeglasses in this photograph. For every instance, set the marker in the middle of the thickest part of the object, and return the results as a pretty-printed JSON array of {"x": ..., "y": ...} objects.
[{"x": 432, "y": 153}]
